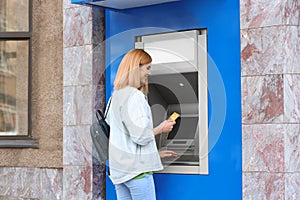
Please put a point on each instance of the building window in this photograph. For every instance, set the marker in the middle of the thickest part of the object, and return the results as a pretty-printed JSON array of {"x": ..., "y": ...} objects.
[{"x": 15, "y": 73}]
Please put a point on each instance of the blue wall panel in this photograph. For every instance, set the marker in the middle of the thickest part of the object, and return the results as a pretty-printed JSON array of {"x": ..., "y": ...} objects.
[{"x": 221, "y": 18}]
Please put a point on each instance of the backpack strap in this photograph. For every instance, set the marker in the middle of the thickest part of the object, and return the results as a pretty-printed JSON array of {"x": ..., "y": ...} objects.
[
  {"x": 106, "y": 110},
  {"x": 99, "y": 115}
]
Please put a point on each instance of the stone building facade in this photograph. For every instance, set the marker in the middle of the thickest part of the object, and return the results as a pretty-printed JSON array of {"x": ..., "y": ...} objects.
[{"x": 69, "y": 83}]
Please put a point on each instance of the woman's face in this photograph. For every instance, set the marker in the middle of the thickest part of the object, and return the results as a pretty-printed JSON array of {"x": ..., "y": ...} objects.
[{"x": 144, "y": 73}]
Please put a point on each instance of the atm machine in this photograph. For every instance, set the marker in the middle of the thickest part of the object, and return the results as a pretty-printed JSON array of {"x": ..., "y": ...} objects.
[{"x": 178, "y": 83}]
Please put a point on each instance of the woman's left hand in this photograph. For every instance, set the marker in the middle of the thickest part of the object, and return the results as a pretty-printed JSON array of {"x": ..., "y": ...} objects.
[
  {"x": 167, "y": 126},
  {"x": 164, "y": 127}
]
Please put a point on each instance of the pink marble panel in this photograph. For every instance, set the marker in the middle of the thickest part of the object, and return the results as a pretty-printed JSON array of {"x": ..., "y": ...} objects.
[
  {"x": 52, "y": 184},
  {"x": 294, "y": 45},
  {"x": 99, "y": 65},
  {"x": 78, "y": 65},
  {"x": 99, "y": 180},
  {"x": 83, "y": 99},
  {"x": 99, "y": 98},
  {"x": 69, "y": 107},
  {"x": 22, "y": 182},
  {"x": 77, "y": 146},
  {"x": 292, "y": 98},
  {"x": 270, "y": 50},
  {"x": 30, "y": 183},
  {"x": 292, "y": 148},
  {"x": 77, "y": 26},
  {"x": 9, "y": 181},
  {"x": 263, "y": 148},
  {"x": 263, "y": 186},
  {"x": 262, "y": 99},
  {"x": 98, "y": 31},
  {"x": 67, "y": 4},
  {"x": 77, "y": 182},
  {"x": 78, "y": 105},
  {"x": 260, "y": 13},
  {"x": 292, "y": 186}
]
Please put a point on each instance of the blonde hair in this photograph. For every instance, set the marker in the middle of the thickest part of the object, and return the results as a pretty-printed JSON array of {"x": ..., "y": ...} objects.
[{"x": 128, "y": 73}]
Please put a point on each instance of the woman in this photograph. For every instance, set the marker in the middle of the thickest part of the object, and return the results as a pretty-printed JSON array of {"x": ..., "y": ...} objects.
[{"x": 133, "y": 155}]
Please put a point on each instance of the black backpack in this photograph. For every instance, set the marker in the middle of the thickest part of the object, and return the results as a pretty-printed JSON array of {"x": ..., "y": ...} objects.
[{"x": 100, "y": 135}]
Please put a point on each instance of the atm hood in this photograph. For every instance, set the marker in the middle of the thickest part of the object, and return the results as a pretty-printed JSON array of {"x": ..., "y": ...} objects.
[{"x": 126, "y": 4}]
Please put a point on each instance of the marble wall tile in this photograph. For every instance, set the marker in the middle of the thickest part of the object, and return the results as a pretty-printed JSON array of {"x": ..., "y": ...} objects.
[
  {"x": 263, "y": 147},
  {"x": 99, "y": 99},
  {"x": 98, "y": 20},
  {"x": 30, "y": 183},
  {"x": 52, "y": 181},
  {"x": 263, "y": 186},
  {"x": 292, "y": 148},
  {"x": 67, "y": 4},
  {"x": 270, "y": 50},
  {"x": 99, "y": 64},
  {"x": 262, "y": 99},
  {"x": 294, "y": 45},
  {"x": 292, "y": 98},
  {"x": 77, "y": 182},
  {"x": 83, "y": 100},
  {"x": 292, "y": 186},
  {"x": 77, "y": 146},
  {"x": 77, "y": 61},
  {"x": 77, "y": 26},
  {"x": 8, "y": 182},
  {"x": 260, "y": 13},
  {"x": 69, "y": 116},
  {"x": 78, "y": 105},
  {"x": 99, "y": 180}
]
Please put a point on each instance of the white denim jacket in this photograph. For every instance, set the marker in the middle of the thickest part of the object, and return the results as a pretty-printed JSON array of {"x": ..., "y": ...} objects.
[{"x": 132, "y": 147}]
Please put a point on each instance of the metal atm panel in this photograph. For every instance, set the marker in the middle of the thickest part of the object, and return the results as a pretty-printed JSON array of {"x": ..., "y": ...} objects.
[
  {"x": 178, "y": 93},
  {"x": 178, "y": 83}
]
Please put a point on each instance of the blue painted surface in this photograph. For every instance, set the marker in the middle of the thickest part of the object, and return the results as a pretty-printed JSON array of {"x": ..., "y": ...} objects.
[
  {"x": 221, "y": 18},
  {"x": 78, "y": 1}
]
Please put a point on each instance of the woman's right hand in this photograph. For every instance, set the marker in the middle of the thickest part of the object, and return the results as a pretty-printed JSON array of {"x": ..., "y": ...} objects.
[{"x": 167, "y": 153}]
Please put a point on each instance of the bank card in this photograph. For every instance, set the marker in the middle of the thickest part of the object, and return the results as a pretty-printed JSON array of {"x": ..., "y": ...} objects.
[{"x": 174, "y": 116}]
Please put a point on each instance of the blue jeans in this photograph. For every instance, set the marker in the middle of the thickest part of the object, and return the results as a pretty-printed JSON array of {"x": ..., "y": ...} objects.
[{"x": 137, "y": 189}]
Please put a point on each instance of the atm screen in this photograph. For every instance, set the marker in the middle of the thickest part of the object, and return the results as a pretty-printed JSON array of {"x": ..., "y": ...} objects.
[{"x": 185, "y": 128}]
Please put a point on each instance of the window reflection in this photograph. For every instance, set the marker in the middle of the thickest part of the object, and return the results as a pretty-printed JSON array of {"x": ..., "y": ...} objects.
[
  {"x": 13, "y": 87},
  {"x": 14, "y": 15}
]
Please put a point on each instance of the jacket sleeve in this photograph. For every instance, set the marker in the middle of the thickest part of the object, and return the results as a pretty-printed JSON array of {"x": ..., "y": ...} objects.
[{"x": 136, "y": 118}]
